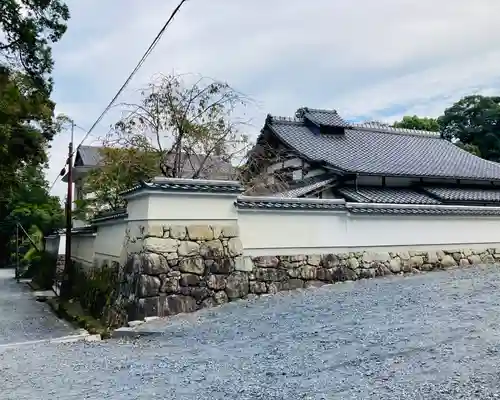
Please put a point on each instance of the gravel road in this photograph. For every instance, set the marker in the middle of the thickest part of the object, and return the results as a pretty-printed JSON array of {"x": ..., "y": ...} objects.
[
  {"x": 22, "y": 318},
  {"x": 429, "y": 336}
]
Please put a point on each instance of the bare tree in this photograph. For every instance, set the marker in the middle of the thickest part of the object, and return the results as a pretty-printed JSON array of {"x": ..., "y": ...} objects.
[{"x": 193, "y": 128}]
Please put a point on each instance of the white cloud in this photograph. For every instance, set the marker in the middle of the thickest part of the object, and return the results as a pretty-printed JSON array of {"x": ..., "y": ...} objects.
[{"x": 362, "y": 57}]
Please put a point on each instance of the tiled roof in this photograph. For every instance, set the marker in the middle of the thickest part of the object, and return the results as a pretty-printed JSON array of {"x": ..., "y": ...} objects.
[
  {"x": 110, "y": 215},
  {"x": 465, "y": 194},
  {"x": 420, "y": 209},
  {"x": 269, "y": 203},
  {"x": 386, "y": 195},
  {"x": 214, "y": 167},
  {"x": 322, "y": 117},
  {"x": 284, "y": 204},
  {"x": 377, "y": 150},
  {"x": 90, "y": 155},
  {"x": 308, "y": 185},
  {"x": 187, "y": 185}
]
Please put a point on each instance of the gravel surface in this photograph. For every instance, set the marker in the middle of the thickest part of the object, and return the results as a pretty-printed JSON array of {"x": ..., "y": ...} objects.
[
  {"x": 22, "y": 318},
  {"x": 429, "y": 336}
]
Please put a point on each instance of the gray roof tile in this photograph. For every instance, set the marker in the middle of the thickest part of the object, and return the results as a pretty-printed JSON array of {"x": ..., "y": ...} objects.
[
  {"x": 214, "y": 167},
  {"x": 322, "y": 117},
  {"x": 90, "y": 155},
  {"x": 382, "y": 151},
  {"x": 465, "y": 194},
  {"x": 386, "y": 195},
  {"x": 308, "y": 185}
]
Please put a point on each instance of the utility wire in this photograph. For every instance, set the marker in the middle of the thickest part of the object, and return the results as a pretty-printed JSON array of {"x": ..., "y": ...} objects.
[{"x": 127, "y": 81}]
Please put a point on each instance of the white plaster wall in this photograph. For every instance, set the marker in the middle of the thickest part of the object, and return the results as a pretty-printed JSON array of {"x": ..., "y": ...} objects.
[
  {"x": 307, "y": 232},
  {"x": 82, "y": 248},
  {"x": 109, "y": 240},
  {"x": 182, "y": 208},
  {"x": 55, "y": 244},
  {"x": 52, "y": 244}
]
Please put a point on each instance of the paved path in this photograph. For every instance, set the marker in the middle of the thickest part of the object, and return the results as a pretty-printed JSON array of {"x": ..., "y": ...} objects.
[
  {"x": 431, "y": 336},
  {"x": 22, "y": 318}
]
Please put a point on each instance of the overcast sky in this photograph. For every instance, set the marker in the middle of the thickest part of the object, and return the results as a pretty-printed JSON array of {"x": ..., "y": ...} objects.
[{"x": 367, "y": 59}]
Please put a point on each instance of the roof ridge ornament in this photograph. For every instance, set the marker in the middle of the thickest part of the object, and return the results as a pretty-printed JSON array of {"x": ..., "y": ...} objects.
[{"x": 386, "y": 128}]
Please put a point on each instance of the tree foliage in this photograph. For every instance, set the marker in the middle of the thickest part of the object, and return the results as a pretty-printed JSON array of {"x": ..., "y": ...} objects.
[
  {"x": 28, "y": 30},
  {"x": 183, "y": 122},
  {"x": 414, "y": 122},
  {"x": 473, "y": 123},
  {"x": 120, "y": 169},
  {"x": 176, "y": 130}
]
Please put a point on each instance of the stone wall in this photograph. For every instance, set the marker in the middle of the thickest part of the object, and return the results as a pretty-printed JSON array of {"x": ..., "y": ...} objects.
[{"x": 178, "y": 269}]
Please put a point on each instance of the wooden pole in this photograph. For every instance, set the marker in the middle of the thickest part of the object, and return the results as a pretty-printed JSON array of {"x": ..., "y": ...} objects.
[{"x": 66, "y": 284}]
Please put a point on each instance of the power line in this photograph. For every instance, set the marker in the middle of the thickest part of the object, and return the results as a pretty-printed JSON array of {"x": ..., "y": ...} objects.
[{"x": 127, "y": 81}]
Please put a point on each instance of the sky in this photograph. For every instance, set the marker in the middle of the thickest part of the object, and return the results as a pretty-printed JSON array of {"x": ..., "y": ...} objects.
[{"x": 374, "y": 60}]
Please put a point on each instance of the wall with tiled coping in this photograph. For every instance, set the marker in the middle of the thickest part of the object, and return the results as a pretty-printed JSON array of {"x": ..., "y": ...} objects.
[{"x": 192, "y": 244}]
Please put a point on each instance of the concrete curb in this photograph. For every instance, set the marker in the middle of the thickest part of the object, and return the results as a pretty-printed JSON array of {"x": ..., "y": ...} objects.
[
  {"x": 131, "y": 333},
  {"x": 86, "y": 337}
]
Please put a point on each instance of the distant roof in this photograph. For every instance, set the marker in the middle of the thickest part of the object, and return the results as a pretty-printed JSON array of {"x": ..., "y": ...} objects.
[
  {"x": 214, "y": 167},
  {"x": 90, "y": 155},
  {"x": 376, "y": 149}
]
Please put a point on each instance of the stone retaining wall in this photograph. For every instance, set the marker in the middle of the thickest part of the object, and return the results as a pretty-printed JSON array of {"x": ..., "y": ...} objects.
[{"x": 184, "y": 268}]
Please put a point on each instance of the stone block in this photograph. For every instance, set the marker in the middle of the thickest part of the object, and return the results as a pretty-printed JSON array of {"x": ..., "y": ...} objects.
[
  {"x": 234, "y": 247},
  {"x": 212, "y": 249},
  {"x": 243, "y": 264},
  {"x": 270, "y": 274},
  {"x": 148, "y": 286},
  {"x": 395, "y": 265},
  {"x": 308, "y": 272},
  {"x": 160, "y": 245},
  {"x": 258, "y": 287},
  {"x": 488, "y": 259},
  {"x": 342, "y": 273},
  {"x": 217, "y": 231},
  {"x": 192, "y": 265},
  {"x": 432, "y": 257},
  {"x": 178, "y": 232},
  {"x": 330, "y": 261},
  {"x": 200, "y": 232},
  {"x": 154, "y": 264},
  {"x": 448, "y": 261},
  {"x": 370, "y": 257},
  {"x": 416, "y": 261},
  {"x": 176, "y": 304},
  {"x": 266, "y": 261},
  {"x": 222, "y": 266},
  {"x": 231, "y": 231},
  {"x": 464, "y": 262},
  {"x": 353, "y": 263},
  {"x": 170, "y": 284},
  {"x": 474, "y": 259},
  {"x": 149, "y": 307},
  {"x": 189, "y": 280},
  {"x": 188, "y": 248},
  {"x": 155, "y": 230},
  {"x": 220, "y": 298},
  {"x": 216, "y": 282},
  {"x": 237, "y": 285},
  {"x": 314, "y": 259}
]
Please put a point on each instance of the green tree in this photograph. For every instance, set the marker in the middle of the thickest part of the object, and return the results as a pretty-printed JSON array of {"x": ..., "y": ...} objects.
[
  {"x": 473, "y": 123},
  {"x": 415, "y": 122},
  {"x": 120, "y": 169},
  {"x": 27, "y": 31},
  {"x": 177, "y": 130}
]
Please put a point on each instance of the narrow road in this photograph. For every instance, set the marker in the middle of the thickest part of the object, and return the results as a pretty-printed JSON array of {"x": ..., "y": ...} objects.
[
  {"x": 429, "y": 336},
  {"x": 22, "y": 318}
]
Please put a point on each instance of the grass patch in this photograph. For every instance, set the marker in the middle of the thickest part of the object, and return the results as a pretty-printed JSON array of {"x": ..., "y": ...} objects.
[{"x": 73, "y": 312}]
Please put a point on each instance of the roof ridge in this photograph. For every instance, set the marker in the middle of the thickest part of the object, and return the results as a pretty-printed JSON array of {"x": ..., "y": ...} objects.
[
  {"x": 275, "y": 118},
  {"x": 376, "y": 126}
]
